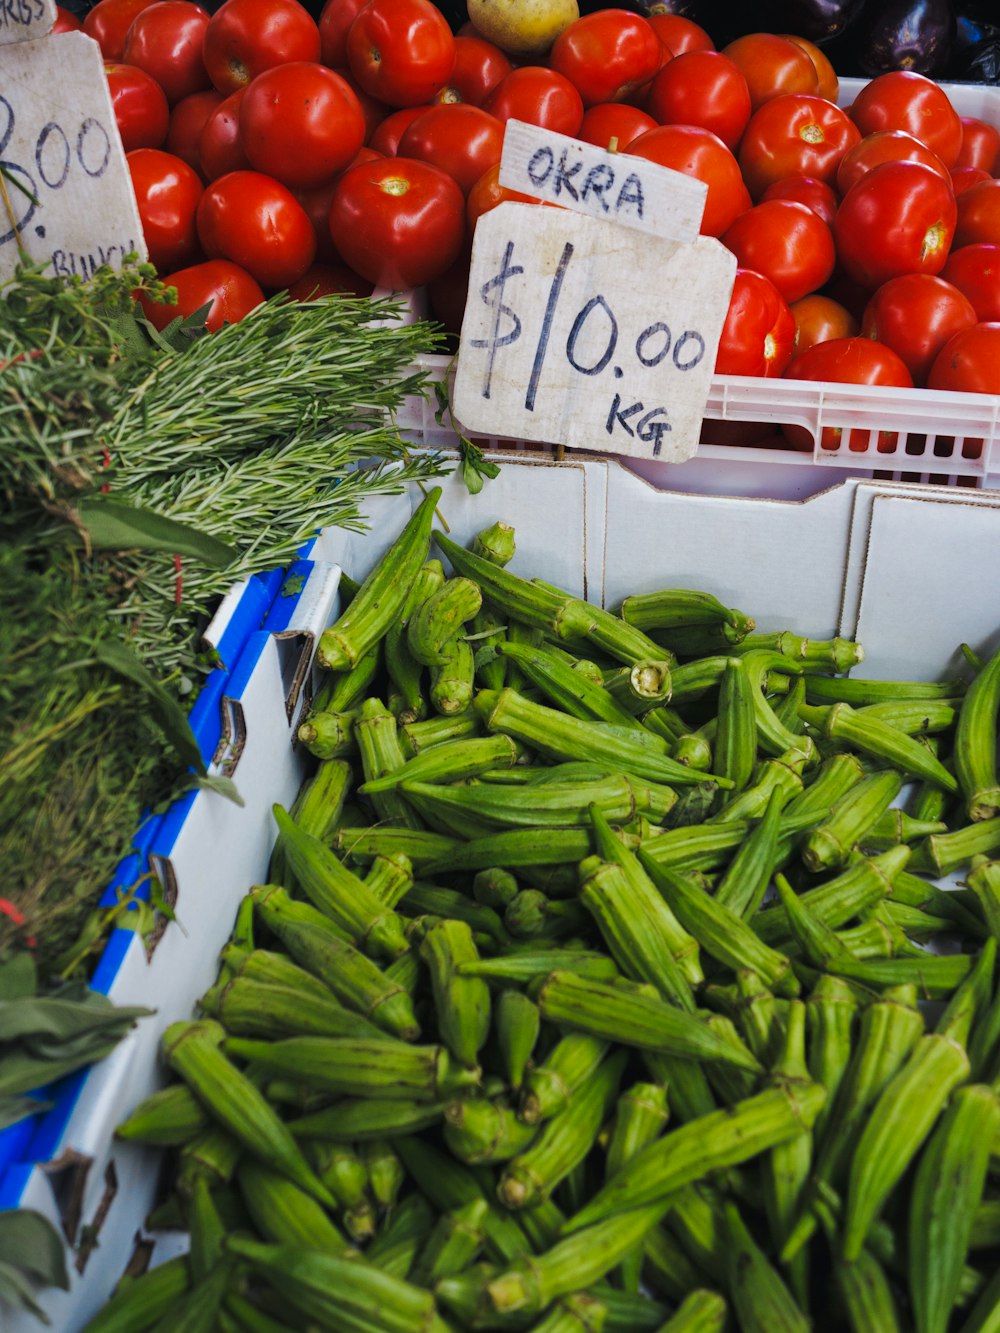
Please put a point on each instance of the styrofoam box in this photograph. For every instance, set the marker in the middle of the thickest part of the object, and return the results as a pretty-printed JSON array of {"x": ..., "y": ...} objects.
[
  {"x": 911, "y": 571},
  {"x": 940, "y": 436}
]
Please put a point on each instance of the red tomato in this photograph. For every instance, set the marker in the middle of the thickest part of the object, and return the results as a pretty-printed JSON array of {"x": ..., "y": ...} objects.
[
  {"x": 166, "y": 40},
  {"x": 334, "y": 24},
  {"x": 140, "y": 107},
  {"x": 398, "y": 222},
  {"x": 979, "y": 215},
  {"x": 487, "y": 193},
  {"x": 317, "y": 203},
  {"x": 109, "y": 21},
  {"x": 702, "y": 88},
  {"x": 677, "y": 34},
  {"x": 772, "y": 65},
  {"x": 817, "y": 195},
  {"x": 606, "y": 55},
  {"x": 537, "y": 96},
  {"x": 759, "y": 332},
  {"x": 899, "y": 218},
  {"x": 401, "y": 51},
  {"x": 65, "y": 21},
  {"x": 915, "y": 315},
  {"x": 975, "y": 271},
  {"x": 167, "y": 192},
  {"x": 257, "y": 223},
  {"x": 329, "y": 280},
  {"x": 786, "y": 242},
  {"x": 479, "y": 67},
  {"x": 219, "y": 147},
  {"x": 980, "y": 145},
  {"x": 829, "y": 84},
  {"x": 885, "y": 146},
  {"x": 614, "y": 121},
  {"x": 187, "y": 120},
  {"x": 969, "y": 361},
  {"x": 903, "y": 100},
  {"x": 373, "y": 112},
  {"x": 300, "y": 123},
  {"x": 385, "y": 139},
  {"x": 229, "y": 290},
  {"x": 818, "y": 319},
  {"x": 246, "y": 37},
  {"x": 963, "y": 178},
  {"x": 795, "y": 135},
  {"x": 702, "y": 154},
  {"x": 462, "y": 140},
  {"x": 846, "y": 361}
]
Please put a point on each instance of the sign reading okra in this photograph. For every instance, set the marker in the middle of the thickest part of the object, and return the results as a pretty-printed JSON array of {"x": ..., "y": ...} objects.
[{"x": 587, "y": 991}]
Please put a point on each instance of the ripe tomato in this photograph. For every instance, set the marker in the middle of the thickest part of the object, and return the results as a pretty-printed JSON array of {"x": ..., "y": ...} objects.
[
  {"x": 227, "y": 289},
  {"x": 758, "y": 335},
  {"x": 903, "y": 100},
  {"x": 108, "y": 23},
  {"x": 165, "y": 40},
  {"x": 66, "y": 21},
  {"x": 398, "y": 222},
  {"x": 479, "y": 67},
  {"x": 817, "y": 195},
  {"x": 537, "y": 96},
  {"x": 220, "y": 147},
  {"x": 702, "y": 88},
  {"x": 898, "y": 218},
  {"x": 969, "y": 361},
  {"x": 786, "y": 242},
  {"x": 329, "y": 280},
  {"x": 975, "y": 271},
  {"x": 980, "y": 145},
  {"x": 488, "y": 192},
  {"x": 140, "y": 107},
  {"x": 915, "y": 315},
  {"x": 246, "y": 37},
  {"x": 257, "y": 223},
  {"x": 187, "y": 120},
  {"x": 963, "y": 178},
  {"x": 677, "y": 34},
  {"x": 795, "y": 135},
  {"x": 373, "y": 112},
  {"x": 462, "y": 140},
  {"x": 818, "y": 319},
  {"x": 386, "y": 136},
  {"x": 335, "y": 22},
  {"x": 401, "y": 51},
  {"x": 829, "y": 84},
  {"x": 614, "y": 121},
  {"x": 300, "y": 123},
  {"x": 772, "y": 65},
  {"x": 167, "y": 192},
  {"x": 846, "y": 361},
  {"x": 979, "y": 214},
  {"x": 606, "y": 55},
  {"x": 885, "y": 146},
  {"x": 702, "y": 154}
]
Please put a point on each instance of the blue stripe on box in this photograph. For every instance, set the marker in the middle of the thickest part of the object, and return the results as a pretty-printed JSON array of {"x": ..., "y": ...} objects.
[
  {"x": 206, "y": 712},
  {"x": 289, "y": 594},
  {"x": 13, "y": 1183},
  {"x": 13, "y": 1141},
  {"x": 249, "y": 613}
]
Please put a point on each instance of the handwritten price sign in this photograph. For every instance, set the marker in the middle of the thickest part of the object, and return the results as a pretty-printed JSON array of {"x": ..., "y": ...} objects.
[
  {"x": 24, "y": 20},
  {"x": 595, "y": 328},
  {"x": 67, "y": 196}
]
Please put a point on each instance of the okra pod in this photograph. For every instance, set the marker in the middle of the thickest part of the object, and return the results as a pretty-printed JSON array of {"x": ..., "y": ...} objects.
[
  {"x": 761, "y": 1301},
  {"x": 942, "y": 853},
  {"x": 271, "y": 969},
  {"x": 540, "y": 805},
  {"x": 866, "y": 732},
  {"x": 550, "y": 1086},
  {"x": 317, "y": 809},
  {"x": 866, "y": 1295},
  {"x": 744, "y": 883},
  {"x": 518, "y": 1023},
  {"x": 831, "y": 1018},
  {"x": 419, "y": 737},
  {"x": 452, "y": 679},
  {"x": 138, "y": 1302},
  {"x": 402, "y": 667},
  {"x": 917, "y": 717},
  {"x": 386, "y": 1174},
  {"x": 782, "y": 775},
  {"x": 425, "y": 898},
  {"x": 813, "y": 655},
  {"x": 701, "y": 640},
  {"x": 859, "y": 693},
  {"x": 423, "y": 848},
  {"x": 787, "y": 1167},
  {"x": 494, "y": 887},
  {"x": 834, "y": 778},
  {"x": 461, "y": 1002},
  {"x": 453, "y": 1245},
  {"x": 895, "y": 826},
  {"x": 356, "y": 1120},
  {"x": 574, "y": 1314},
  {"x": 482, "y": 1133},
  {"x": 670, "y": 608},
  {"x": 640, "y": 1116},
  {"x": 564, "y": 686},
  {"x": 248, "y": 1008},
  {"x": 328, "y": 735},
  {"x": 735, "y": 748},
  {"x": 165, "y": 1119},
  {"x": 284, "y": 1213},
  {"x": 699, "y": 1312},
  {"x": 976, "y": 743},
  {"x": 830, "y": 842},
  {"x": 705, "y": 846},
  {"x": 453, "y": 761},
  {"x": 526, "y": 964},
  {"x": 380, "y": 752},
  {"x": 389, "y": 879},
  {"x": 640, "y": 686},
  {"x": 984, "y": 881}
]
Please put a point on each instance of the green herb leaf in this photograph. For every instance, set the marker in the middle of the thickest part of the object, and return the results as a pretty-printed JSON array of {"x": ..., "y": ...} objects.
[
  {"x": 29, "y": 1241},
  {"x": 222, "y": 786},
  {"x": 16, "y": 1291},
  {"x": 114, "y": 526},
  {"x": 475, "y": 466},
  {"x": 171, "y": 717},
  {"x": 18, "y": 977}
]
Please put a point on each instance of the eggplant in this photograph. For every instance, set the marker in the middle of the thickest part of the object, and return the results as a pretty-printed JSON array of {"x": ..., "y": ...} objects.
[
  {"x": 914, "y": 35},
  {"x": 819, "y": 21}
]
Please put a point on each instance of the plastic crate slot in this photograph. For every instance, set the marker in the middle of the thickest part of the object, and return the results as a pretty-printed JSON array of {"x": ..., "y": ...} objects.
[
  {"x": 67, "y": 1175},
  {"x": 89, "y": 1234},
  {"x": 233, "y": 739},
  {"x": 295, "y": 653},
  {"x": 163, "y": 868}
]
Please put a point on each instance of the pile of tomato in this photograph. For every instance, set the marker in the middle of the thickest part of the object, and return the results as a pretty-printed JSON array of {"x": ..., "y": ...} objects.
[{"x": 273, "y": 151}]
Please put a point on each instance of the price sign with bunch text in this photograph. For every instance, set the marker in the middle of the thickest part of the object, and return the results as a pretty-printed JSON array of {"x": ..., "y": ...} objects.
[{"x": 593, "y": 325}]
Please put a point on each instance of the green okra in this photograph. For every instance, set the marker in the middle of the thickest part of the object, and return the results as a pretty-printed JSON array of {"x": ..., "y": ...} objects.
[
  {"x": 328, "y": 735},
  {"x": 866, "y": 732},
  {"x": 197, "y": 1309},
  {"x": 564, "y": 686},
  {"x": 494, "y": 887},
  {"x": 866, "y": 1295},
  {"x": 213, "y": 1154},
  {"x": 735, "y": 748},
  {"x": 786, "y": 1169},
  {"x": 249, "y": 1008},
  {"x": 317, "y": 809},
  {"x": 745, "y": 880},
  {"x": 377, "y": 739},
  {"x": 167, "y": 1118},
  {"x": 834, "y": 778},
  {"x": 831, "y": 1020},
  {"x": 693, "y": 806},
  {"x": 700, "y": 1312},
  {"x": 533, "y": 916},
  {"x": 207, "y": 1228},
  {"x": 284, "y": 1213},
  {"x": 641, "y": 685},
  {"x": 389, "y": 879},
  {"x": 670, "y": 608},
  {"x": 668, "y": 723},
  {"x": 419, "y": 737},
  {"x": 705, "y": 846},
  {"x": 701, "y": 640},
  {"x": 984, "y": 881},
  {"x": 423, "y": 848},
  {"x": 820, "y": 945},
  {"x": 453, "y": 1245},
  {"x": 513, "y": 848},
  {"x": 550, "y": 1086},
  {"x": 895, "y": 826},
  {"x": 942, "y": 853},
  {"x": 480, "y": 1132},
  {"x": 782, "y": 775},
  {"x": 356, "y": 1120},
  {"x": 813, "y": 655},
  {"x": 452, "y": 679},
  {"x": 461, "y": 1002},
  {"x": 860, "y": 693},
  {"x": 524, "y": 965},
  {"x": 830, "y": 842},
  {"x": 344, "y": 690},
  {"x": 270, "y": 968},
  {"x": 975, "y": 753},
  {"x": 425, "y": 898},
  {"x": 453, "y": 761},
  {"x": 917, "y": 717},
  {"x": 404, "y": 671},
  {"x": 248, "y": 1318},
  {"x": 579, "y": 1313},
  {"x": 381, "y": 596},
  {"x": 773, "y": 738},
  {"x": 518, "y": 1024},
  {"x": 760, "y": 1016},
  {"x": 495, "y": 544},
  {"x": 667, "y": 1269},
  {"x": 761, "y": 1301},
  {"x": 540, "y": 805},
  {"x": 386, "y": 1174},
  {"x": 641, "y": 1114},
  {"x": 786, "y": 709},
  {"x": 696, "y": 1222},
  {"x": 138, "y": 1302},
  {"x": 487, "y": 632},
  {"x": 344, "y": 1174}
]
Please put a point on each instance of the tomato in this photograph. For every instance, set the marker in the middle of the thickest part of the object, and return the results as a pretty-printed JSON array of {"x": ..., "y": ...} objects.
[
  {"x": 829, "y": 84},
  {"x": 786, "y": 242},
  {"x": 479, "y": 67},
  {"x": 373, "y": 112},
  {"x": 975, "y": 271},
  {"x": 614, "y": 121},
  {"x": 885, "y": 146},
  {"x": 220, "y": 147},
  {"x": 979, "y": 214},
  {"x": 898, "y": 218},
  {"x": 969, "y": 361},
  {"x": 329, "y": 280},
  {"x": 187, "y": 120},
  {"x": 227, "y": 289},
  {"x": 677, "y": 34},
  {"x": 108, "y": 23},
  {"x": 537, "y": 96},
  {"x": 702, "y": 88},
  {"x": 462, "y": 140},
  {"x": 166, "y": 40},
  {"x": 334, "y": 24},
  {"x": 257, "y": 223},
  {"x": 795, "y": 135},
  {"x": 817, "y": 195},
  {"x": 758, "y": 335},
  {"x": 317, "y": 203},
  {"x": 398, "y": 222},
  {"x": 606, "y": 55},
  {"x": 818, "y": 319},
  {"x": 772, "y": 65},
  {"x": 702, "y": 154},
  {"x": 963, "y": 178},
  {"x": 66, "y": 21},
  {"x": 401, "y": 51},
  {"x": 488, "y": 192},
  {"x": 246, "y": 37},
  {"x": 141, "y": 111},
  {"x": 903, "y": 100},
  {"x": 167, "y": 192},
  {"x": 300, "y": 123},
  {"x": 915, "y": 315},
  {"x": 846, "y": 361},
  {"x": 385, "y": 139}
]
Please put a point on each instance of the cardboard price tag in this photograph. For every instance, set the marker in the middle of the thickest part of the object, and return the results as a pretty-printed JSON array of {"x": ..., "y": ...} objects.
[
  {"x": 66, "y": 190},
  {"x": 25, "y": 20}
]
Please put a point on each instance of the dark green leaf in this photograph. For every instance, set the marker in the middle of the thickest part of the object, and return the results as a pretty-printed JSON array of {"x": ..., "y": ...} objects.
[
  {"x": 57, "y": 1020},
  {"x": 471, "y": 476},
  {"x": 171, "y": 717},
  {"x": 112, "y": 525},
  {"x": 17, "y": 1292},
  {"x": 30, "y": 1241},
  {"x": 484, "y": 656},
  {"x": 18, "y": 977},
  {"x": 223, "y": 786}
]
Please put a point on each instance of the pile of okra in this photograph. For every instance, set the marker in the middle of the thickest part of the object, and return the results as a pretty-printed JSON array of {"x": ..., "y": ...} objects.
[{"x": 601, "y": 982}]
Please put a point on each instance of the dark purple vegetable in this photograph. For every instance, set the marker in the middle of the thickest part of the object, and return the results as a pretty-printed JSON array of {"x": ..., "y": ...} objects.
[
  {"x": 913, "y": 35},
  {"x": 817, "y": 20}
]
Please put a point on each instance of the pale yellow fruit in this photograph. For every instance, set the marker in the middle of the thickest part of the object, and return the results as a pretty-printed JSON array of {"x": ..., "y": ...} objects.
[{"x": 522, "y": 27}]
